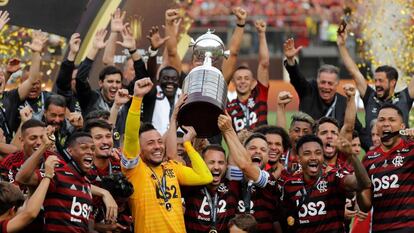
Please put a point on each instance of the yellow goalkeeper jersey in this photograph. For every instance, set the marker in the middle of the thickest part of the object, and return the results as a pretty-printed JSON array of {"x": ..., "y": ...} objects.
[{"x": 150, "y": 210}]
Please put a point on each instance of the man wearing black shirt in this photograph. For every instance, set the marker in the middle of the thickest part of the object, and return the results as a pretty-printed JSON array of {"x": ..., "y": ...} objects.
[
  {"x": 385, "y": 78},
  {"x": 318, "y": 98}
]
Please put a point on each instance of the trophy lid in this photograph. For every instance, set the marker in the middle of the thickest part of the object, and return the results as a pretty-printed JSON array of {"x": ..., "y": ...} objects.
[{"x": 208, "y": 42}]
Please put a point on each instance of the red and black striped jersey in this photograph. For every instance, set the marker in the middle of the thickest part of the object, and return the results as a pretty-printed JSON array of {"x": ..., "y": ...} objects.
[
  {"x": 265, "y": 205},
  {"x": 197, "y": 208},
  {"x": 3, "y": 226},
  {"x": 10, "y": 165},
  {"x": 255, "y": 106},
  {"x": 315, "y": 207},
  {"x": 68, "y": 203},
  {"x": 392, "y": 177},
  {"x": 341, "y": 163},
  {"x": 95, "y": 175}
]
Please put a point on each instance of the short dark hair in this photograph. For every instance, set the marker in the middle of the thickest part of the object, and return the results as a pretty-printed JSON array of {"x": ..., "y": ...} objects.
[
  {"x": 254, "y": 136},
  {"x": 216, "y": 147},
  {"x": 99, "y": 113},
  {"x": 108, "y": 71},
  {"x": 10, "y": 196},
  {"x": 355, "y": 134},
  {"x": 168, "y": 68},
  {"x": 245, "y": 222},
  {"x": 99, "y": 123},
  {"x": 32, "y": 123},
  {"x": 70, "y": 141},
  {"x": 270, "y": 129},
  {"x": 146, "y": 126},
  {"x": 324, "y": 120},
  {"x": 393, "y": 106},
  {"x": 55, "y": 99},
  {"x": 390, "y": 72},
  {"x": 308, "y": 138}
]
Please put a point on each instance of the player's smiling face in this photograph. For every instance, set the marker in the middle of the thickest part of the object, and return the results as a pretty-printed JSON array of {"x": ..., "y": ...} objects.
[
  {"x": 82, "y": 152},
  {"x": 217, "y": 164},
  {"x": 311, "y": 159}
]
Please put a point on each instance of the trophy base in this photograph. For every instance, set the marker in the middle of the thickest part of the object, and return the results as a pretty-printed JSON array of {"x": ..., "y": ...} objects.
[{"x": 202, "y": 116}]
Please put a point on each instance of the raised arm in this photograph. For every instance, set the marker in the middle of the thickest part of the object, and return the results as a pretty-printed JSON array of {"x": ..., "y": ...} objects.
[
  {"x": 198, "y": 174},
  {"x": 299, "y": 82},
  {"x": 63, "y": 81},
  {"x": 350, "y": 112},
  {"x": 263, "y": 67},
  {"x": 156, "y": 42},
  {"x": 39, "y": 40},
  {"x": 26, "y": 174},
  {"x": 172, "y": 21},
  {"x": 171, "y": 134},
  {"x": 229, "y": 64},
  {"x": 121, "y": 98},
  {"x": 283, "y": 99},
  {"x": 35, "y": 202},
  {"x": 4, "y": 18},
  {"x": 239, "y": 154},
  {"x": 82, "y": 83},
  {"x": 359, "y": 181},
  {"x": 117, "y": 25},
  {"x": 133, "y": 122},
  {"x": 350, "y": 65}
]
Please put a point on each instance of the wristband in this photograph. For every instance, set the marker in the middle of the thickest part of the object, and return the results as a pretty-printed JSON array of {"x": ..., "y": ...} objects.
[
  {"x": 152, "y": 53},
  {"x": 49, "y": 176},
  {"x": 132, "y": 51},
  {"x": 241, "y": 25}
]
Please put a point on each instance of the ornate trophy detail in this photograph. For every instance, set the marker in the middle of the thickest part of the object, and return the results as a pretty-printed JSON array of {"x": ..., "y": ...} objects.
[{"x": 206, "y": 87}]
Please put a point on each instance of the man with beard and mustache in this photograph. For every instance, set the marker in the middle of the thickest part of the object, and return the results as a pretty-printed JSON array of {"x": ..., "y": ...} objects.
[
  {"x": 260, "y": 193},
  {"x": 314, "y": 197},
  {"x": 104, "y": 165},
  {"x": 327, "y": 129},
  {"x": 210, "y": 207},
  {"x": 391, "y": 167},
  {"x": 156, "y": 202},
  {"x": 278, "y": 142},
  {"x": 385, "y": 80},
  {"x": 55, "y": 116}
]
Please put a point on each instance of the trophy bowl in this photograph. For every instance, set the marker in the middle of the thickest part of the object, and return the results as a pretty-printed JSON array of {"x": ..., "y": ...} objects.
[
  {"x": 205, "y": 87},
  {"x": 207, "y": 99}
]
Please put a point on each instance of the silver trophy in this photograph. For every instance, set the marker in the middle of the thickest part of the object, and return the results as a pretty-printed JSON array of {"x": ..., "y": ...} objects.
[{"x": 206, "y": 87}]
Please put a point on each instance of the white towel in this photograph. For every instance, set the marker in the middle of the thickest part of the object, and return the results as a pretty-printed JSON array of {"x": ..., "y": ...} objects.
[{"x": 161, "y": 115}]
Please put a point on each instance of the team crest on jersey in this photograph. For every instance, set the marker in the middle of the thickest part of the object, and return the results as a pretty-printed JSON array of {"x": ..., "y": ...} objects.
[
  {"x": 222, "y": 188},
  {"x": 398, "y": 161},
  {"x": 322, "y": 186}
]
